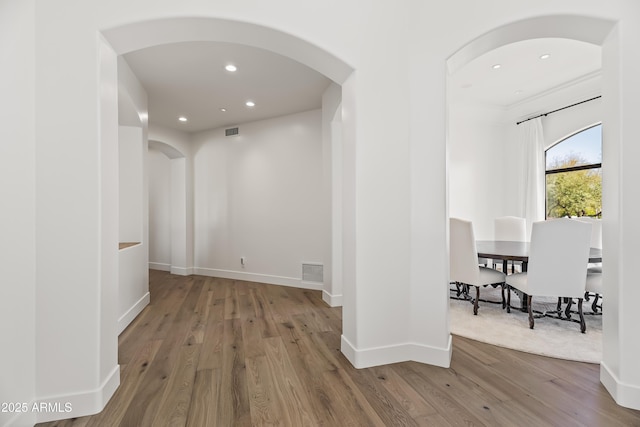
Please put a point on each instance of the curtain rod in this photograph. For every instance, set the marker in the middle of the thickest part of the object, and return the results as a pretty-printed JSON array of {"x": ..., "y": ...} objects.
[{"x": 559, "y": 109}]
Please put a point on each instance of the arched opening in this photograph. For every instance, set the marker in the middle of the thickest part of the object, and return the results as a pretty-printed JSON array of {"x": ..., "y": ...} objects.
[
  {"x": 168, "y": 224},
  {"x": 597, "y": 32},
  {"x": 132, "y": 37}
]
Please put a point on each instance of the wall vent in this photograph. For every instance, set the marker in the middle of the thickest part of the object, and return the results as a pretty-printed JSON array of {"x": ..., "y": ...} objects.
[
  {"x": 231, "y": 131},
  {"x": 312, "y": 272}
]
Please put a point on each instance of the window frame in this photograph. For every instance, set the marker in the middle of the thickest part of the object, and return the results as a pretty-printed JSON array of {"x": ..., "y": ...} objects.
[{"x": 568, "y": 169}]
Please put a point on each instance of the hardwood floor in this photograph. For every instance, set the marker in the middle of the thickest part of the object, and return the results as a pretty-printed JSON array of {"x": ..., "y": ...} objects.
[{"x": 216, "y": 352}]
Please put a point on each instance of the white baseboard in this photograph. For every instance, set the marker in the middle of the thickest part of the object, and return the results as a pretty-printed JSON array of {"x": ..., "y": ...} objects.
[
  {"x": 255, "y": 277},
  {"x": 23, "y": 419},
  {"x": 80, "y": 404},
  {"x": 131, "y": 314},
  {"x": 182, "y": 271},
  {"x": 396, "y": 353},
  {"x": 626, "y": 395},
  {"x": 159, "y": 266},
  {"x": 332, "y": 300}
]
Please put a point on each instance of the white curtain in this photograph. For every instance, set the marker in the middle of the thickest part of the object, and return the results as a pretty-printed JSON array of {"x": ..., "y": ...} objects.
[{"x": 531, "y": 138}]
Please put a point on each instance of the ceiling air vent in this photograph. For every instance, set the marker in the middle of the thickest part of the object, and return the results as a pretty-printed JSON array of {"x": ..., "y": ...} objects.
[{"x": 230, "y": 131}]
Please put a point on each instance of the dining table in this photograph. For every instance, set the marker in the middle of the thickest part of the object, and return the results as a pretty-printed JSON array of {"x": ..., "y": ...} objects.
[{"x": 507, "y": 250}]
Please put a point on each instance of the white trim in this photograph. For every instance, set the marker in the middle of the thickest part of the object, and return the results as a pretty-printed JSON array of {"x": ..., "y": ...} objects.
[
  {"x": 566, "y": 85},
  {"x": 332, "y": 300},
  {"x": 255, "y": 277},
  {"x": 84, "y": 403},
  {"x": 23, "y": 418},
  {"x": 305, "y": 284},
  {"x": 181, "y": 271},
  {"x": 396, "y": 353},
  {"x": 131, "y": 314},
  {"x": 626, "y": 395},
  {"x": 159, "y": 266}
]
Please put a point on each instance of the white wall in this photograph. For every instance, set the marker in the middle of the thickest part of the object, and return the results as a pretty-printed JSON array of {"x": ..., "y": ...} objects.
[
  {"x": 177, "y": 147},
  {"x": 159, "y": 210},
  {"x": 259, "y": 195},
  {"x": 133, "y": 277},
  {"x": 620, "y": 176},
  {"x": 556, "y": 126},
  {"x": 562, "y": 124},
  {"x": 17, "y": 216},
  {"x": 131, "y": 173},
  {"x": 332, "y": 192},
  {"x": 133, "y": 274},
  {"x": 478, "y": 158}
]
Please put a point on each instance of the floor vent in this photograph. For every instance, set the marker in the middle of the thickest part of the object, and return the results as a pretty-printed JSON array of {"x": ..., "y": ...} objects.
[
  {"x": 231, "y": 131},
  {"x": 312, "y": 272}
]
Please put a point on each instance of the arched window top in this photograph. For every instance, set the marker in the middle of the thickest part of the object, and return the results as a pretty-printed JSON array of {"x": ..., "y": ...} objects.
[
  {"x": 573, "y": 175},
  {"x": 580, "y": 149}
]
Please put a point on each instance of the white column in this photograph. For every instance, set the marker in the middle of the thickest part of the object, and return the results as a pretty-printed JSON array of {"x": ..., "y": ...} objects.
[
  {"x": 179, "y": 216},
  {"x": 620, "y": 174}
]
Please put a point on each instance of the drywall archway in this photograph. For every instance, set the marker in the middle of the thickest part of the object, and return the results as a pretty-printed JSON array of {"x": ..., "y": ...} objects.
[
  {"x": 617, "y": 373},
  {"x": 167, "y": 149},
  {"x": 581, "y": 28},
  {"x": 138, "y": 35},
  {"x": 179, "y": 224}
]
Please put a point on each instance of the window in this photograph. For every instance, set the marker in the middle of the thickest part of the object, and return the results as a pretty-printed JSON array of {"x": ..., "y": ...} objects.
[{"x": 574, "y": 175}]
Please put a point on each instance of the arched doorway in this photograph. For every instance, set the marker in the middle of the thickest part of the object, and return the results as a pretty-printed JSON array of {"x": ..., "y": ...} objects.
[
  {"x": 146, "y": 34},
  {"x": 603, "y": 33}
]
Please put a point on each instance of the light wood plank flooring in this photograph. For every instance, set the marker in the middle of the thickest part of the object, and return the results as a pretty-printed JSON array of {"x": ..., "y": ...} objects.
[{"x": 216, "y": 352}]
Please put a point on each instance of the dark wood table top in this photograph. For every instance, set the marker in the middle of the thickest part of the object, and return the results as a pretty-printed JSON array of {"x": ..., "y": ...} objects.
[{"x": 517, "y": 251}]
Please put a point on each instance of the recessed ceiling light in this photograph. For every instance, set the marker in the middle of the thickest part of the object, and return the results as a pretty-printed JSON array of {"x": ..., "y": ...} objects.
[
  {"x": 182, "y": 119},
  {"x": 545, "y": 56},
  {"x": 224, "y": 110},
  {"x": 250, "y": 104},
  {"x": 231, "y": 68},
  {"x": 496, "y": 66}
]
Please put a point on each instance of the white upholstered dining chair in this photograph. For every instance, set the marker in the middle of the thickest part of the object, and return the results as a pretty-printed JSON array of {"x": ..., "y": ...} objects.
[
  {"x": 558, "y": 257},
  {"x": 594, "y": 287},
  {"x": 463, "y": 261},
  {"x": 594, "y": 272},
  {"x": 596, "y": 230},
  {"x": 511, "y": 228}
]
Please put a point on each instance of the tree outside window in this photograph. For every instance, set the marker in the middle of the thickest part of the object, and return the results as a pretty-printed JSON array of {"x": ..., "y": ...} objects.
[{"x": 574, "y": 175}]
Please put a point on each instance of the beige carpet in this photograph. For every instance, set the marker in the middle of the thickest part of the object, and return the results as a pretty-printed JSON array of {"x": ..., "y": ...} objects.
[{"x": 550, "y": 337}]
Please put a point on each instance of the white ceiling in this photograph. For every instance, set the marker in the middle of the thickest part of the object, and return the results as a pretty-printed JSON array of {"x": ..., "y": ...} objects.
[
  {"x": 522, "y": 74},
  {"x": 189, "y": 79}
]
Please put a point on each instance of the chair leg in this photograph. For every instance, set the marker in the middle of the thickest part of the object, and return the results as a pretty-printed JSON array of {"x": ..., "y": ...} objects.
[
  {"x": 458, "y": 289},
  {"x": 594, "y": 305},
  {"x": 475, "y": 303},
  {"x": 583, "y": 324},
  {"x": 559, "y": 308},
  {"x": 567, "y": 311},
  {"x": 530, "y": 312},
  {"x": 508, "y": 298},
  {"x": 504, "y": 303}
]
